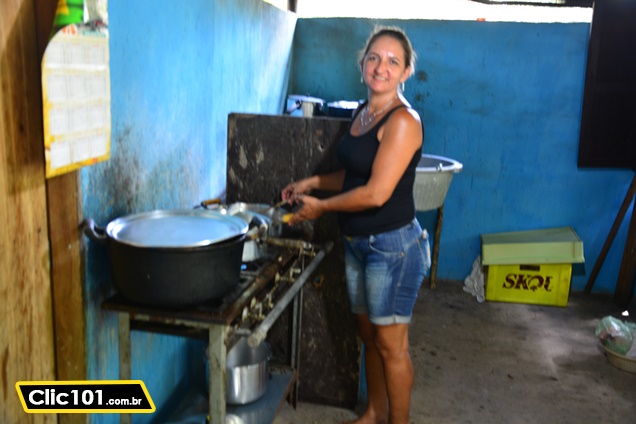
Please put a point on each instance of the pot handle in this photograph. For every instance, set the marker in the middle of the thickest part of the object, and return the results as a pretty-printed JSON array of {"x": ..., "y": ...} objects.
[
  {"x": 252, "y": 234},
  {"x": 93, "y": 232},
  {"x": 210, "y": 202},
  {"x": 257, "y": 231},
  {"x": 261, "y": 224},
  {"x": 294, "y": 107}
]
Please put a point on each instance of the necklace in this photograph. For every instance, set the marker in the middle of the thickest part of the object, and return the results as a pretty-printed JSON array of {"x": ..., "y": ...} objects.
[{"x": 366, "y": 118}]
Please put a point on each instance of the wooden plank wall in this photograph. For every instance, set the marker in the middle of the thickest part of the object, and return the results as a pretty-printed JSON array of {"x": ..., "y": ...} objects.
[{"x": 26, "y": 327}]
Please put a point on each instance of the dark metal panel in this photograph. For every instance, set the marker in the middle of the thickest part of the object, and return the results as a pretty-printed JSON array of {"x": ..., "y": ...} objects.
[
  {"x": 608, "y": 120},
  {"x": 265, "y": 153}
]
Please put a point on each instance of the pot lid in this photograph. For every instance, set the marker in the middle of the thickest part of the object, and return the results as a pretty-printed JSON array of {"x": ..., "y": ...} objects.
[{"x": 176, "y": 228}]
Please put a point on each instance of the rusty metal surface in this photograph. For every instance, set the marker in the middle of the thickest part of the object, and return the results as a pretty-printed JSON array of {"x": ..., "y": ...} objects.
[{"x": 265, "y": 153}]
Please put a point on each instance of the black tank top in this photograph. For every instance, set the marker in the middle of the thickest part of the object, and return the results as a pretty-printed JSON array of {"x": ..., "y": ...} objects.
[{"x": 356, "y": 154}]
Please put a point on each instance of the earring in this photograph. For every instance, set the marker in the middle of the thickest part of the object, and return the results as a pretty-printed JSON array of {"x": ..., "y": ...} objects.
[
  {"x": 402, "y": 87},
  {"x": 361, "y": 80}
]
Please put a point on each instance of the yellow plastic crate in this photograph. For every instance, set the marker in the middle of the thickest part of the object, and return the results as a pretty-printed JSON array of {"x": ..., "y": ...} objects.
[{"x": 539, "y": 284}]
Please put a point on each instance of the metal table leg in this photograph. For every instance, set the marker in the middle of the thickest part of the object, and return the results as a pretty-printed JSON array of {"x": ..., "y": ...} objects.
[
  {"x": 297, "y": 314},
  {"x": 124, "y": 355},
  {"x": 217, "y": 351}
]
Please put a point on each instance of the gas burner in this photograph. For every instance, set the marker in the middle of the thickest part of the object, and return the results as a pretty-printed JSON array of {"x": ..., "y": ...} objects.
[
  {"x": 266, "y": 290},
  {"x": 255, "y": 266}
]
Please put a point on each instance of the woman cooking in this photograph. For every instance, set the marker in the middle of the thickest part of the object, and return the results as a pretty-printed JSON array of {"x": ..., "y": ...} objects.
[{"x": 386, "y": 255}]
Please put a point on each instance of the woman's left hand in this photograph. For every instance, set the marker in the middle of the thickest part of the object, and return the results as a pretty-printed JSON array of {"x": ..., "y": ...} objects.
[{"x": 310, "y": 209}]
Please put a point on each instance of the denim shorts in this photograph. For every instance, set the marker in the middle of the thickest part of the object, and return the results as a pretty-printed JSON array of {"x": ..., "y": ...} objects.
[{"x": 385, "y": 271}]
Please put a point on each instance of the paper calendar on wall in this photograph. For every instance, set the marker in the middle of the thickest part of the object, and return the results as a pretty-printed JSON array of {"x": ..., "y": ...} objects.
[{"x": 76, "y": 98}]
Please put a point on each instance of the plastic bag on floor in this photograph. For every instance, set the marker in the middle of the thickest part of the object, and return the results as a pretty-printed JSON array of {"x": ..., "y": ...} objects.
[
  {"x": 615, "y": 334},
  {"x": 474, "y": 283}
]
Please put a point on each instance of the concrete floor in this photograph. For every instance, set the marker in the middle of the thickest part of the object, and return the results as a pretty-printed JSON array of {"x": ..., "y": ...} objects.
[{"x": 506, "y": 363}]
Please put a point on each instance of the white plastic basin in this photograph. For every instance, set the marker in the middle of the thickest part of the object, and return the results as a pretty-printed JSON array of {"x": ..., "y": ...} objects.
[{"x": 432, "y": 180}]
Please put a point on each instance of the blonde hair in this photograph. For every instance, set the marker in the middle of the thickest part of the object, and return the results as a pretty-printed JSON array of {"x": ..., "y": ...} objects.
[{"x": 410, "y": 57}]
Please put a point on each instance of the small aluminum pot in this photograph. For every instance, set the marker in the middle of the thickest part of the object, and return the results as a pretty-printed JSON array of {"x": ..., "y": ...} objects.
[
  {"x": 267, "y": 218},
  {"x": 247, "y": 372},
  {"x": 265, "y": 221}
]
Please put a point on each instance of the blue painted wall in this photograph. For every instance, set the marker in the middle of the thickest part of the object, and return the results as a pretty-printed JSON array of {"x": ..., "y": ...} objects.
[
  {"x": 504, "y": 99},
  {"x": 177, "y": 70}
]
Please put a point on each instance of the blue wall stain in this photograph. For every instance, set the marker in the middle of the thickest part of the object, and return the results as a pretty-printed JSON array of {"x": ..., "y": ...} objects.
[
  {"x": 504, "y": 99},
  {"x": 176, "y": 70}
]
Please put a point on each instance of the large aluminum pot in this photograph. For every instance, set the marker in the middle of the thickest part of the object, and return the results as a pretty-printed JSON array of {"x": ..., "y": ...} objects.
[{"x": 173, "y": 258}]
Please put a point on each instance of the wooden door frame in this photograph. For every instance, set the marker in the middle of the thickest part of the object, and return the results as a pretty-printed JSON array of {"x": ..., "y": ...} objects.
[{"x": 67, "y": 285}]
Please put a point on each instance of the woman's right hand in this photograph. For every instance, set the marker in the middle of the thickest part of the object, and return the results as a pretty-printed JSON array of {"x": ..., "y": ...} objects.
[
  {"x": 295, "y": 189},
  {"x": 326, "y": 182}
]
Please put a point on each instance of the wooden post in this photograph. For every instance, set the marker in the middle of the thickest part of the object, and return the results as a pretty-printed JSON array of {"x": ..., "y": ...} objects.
[
  {"x": 438, "y": 234},
  {"x": 63, "y": 212},
  {"x": 612, "y": 234},
  {"x": 625, "y": 284}
]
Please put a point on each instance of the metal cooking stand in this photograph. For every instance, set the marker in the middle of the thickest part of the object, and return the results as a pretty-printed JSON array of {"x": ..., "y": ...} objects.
[{"x": 220, "y": 326}]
